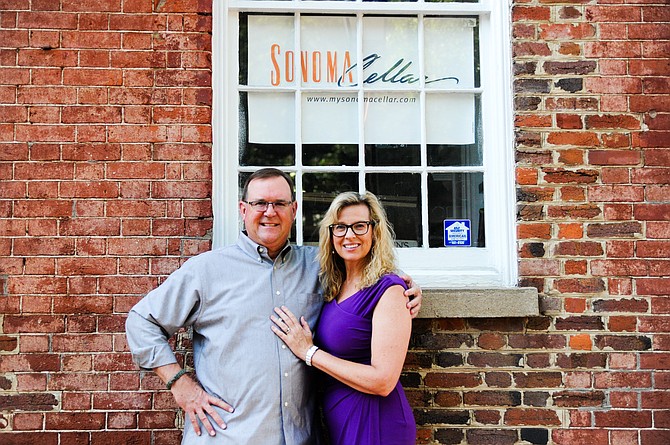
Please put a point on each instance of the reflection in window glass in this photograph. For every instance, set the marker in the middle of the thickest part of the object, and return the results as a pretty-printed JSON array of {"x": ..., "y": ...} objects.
[
  {"x": 319, "y": 190},
  {"x": 329, "y": 154},
  {"x": 400, "y": 193},
  {"x": 392, "y": 155},
  {"x": 456, "y": 196}
]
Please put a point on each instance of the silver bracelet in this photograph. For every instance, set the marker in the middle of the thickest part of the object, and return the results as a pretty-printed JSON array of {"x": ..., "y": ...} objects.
[{"x": 310, "y": 354}]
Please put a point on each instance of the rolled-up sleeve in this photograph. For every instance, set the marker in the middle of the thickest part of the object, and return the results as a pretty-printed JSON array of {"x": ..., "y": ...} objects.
[{"x": 162, "y": 312}]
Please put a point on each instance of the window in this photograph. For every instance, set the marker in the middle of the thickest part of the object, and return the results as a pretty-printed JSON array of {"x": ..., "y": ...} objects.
[{"x": 409, "y": 100}]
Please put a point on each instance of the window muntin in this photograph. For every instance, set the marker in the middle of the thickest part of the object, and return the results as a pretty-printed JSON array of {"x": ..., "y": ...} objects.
[{"x": 407, "y": 174}]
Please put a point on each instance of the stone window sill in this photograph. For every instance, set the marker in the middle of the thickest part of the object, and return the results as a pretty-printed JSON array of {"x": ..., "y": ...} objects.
[{"x": 480, "y": 303}]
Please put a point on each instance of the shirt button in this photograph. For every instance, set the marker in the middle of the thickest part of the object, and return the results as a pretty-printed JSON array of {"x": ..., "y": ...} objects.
[
  {"x": 283, "y": 346},
  {"x": 286, "y": 374},
  {"x": 285, "y": 403},
  {"x": 278, "y": 293}
]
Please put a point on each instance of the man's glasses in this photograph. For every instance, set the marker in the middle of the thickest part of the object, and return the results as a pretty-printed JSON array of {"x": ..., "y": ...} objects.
[
  {"x": 359, "y": 228},
  {"x": 262, "y": 206}
]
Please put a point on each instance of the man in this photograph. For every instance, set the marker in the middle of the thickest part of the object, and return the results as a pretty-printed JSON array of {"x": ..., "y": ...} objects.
[{"x": 245, "y": 374}]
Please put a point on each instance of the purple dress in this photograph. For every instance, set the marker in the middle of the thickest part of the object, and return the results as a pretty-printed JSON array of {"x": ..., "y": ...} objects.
[{"x": 353, "y": 417}]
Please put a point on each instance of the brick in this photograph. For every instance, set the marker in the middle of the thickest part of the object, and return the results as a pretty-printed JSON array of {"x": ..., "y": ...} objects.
[
  {"x": 605, "y": 230},
  {"x": 623, "y": 342},
  {"x": 539, "y": 267},
  {"x": 657, "y": 193},
  {"x": 648, "y": 102},
  {"x": 575, "y": 435},
  {"x": 566, "y": 31},
  {"x": 29, "y": 402},
  {"x": 96, "y": 77},
  {"x": 78, "y": 381},
  {"x": 452, "y": 380},
  {"x": 127, "y": 285},
  {"x": 75, "y": 421},
  {"x": 621, "y": 305},
  {"x": 91, "y": 114},
  {"x": 45, "y": 133},
  {"x": 43, "y": 246},
  {"x": 652, "y": 249},
  {"x": 534, "y": 230},
  {"x": 580, "y": 285},
  {"x": 562, "y": 176},
  {"x": 122, "y": 401},
  {"x": 618, "y": 212},
  {"x": 23, "y": 438},
  {"x": 90, "y": 39},
  {"x": 650, "y": 175},
  {"x": 607, "y": 380},
  {"x": 579, "y": 248},
  {"x": 531, "y": 416},
  {"x": 585, "y": 211},
  {"x": 621, "y": 418},
  {"x": 30, "y": 362},
  {"x": 563, "y": 68},
  {"x": 658, "y": 229},
  {"x": 657, "y": 157},
  {"x": 652, "y": 212},
  {"x": 86, "y": 226},
  {"x": 654, "y": 437},
  {"x": 614, "y": 157}
]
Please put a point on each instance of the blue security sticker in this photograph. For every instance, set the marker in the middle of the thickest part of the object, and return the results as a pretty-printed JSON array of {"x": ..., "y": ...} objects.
[{"x": 457, "y": 232}]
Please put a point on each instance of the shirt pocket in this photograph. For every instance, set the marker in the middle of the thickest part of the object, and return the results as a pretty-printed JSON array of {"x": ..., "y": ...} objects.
[{"x": 308, "y": 305}]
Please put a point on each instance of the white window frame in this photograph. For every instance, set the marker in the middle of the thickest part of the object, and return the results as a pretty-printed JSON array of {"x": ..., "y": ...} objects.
[{"x": 492, "y": 266}]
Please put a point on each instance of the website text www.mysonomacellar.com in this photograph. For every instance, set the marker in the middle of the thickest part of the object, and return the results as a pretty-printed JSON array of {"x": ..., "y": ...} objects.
[{"x": 354, "y": 99}]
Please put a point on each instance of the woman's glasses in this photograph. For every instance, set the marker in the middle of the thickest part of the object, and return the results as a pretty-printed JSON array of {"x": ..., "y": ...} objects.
[{"x": 359, "y": 228}]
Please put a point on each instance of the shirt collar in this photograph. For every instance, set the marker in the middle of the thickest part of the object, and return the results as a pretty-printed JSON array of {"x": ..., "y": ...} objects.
[{"x": 258, "y": 251}]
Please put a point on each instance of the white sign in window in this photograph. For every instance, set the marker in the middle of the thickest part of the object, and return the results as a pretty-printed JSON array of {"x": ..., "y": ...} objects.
[{"x": 327, "y": 58}]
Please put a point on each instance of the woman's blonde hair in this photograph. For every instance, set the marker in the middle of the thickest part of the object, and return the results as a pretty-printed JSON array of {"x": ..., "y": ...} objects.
[{"x": 381, "y": 258}]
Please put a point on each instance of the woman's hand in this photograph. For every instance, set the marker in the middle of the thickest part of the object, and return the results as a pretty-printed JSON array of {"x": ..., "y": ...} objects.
[{"x": 296, "y": 335}]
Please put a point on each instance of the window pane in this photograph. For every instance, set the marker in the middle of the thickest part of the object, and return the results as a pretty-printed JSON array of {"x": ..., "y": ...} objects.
[
  {"x": 455, "y": 196},
  {"x": 449, "y": 145},
  {"x": 450, "y": 118},
  {"x": 336, "y": 154},
  {"x": 319, "y": 190},
  {"x": 400, "y": 193},
  {"x": 327, "y": 50},
  {"x": 450, "y": 52},
  {"x": 330, "y": 118},
  {"x": 392, "y": 155},
  {"x": 392, "y": 118},
  {"x": 267, "y": 139},
  {"x": 391, "y": 52},
  {"x": 271, "y": 51},
  {"x": 452, "y": 1}
]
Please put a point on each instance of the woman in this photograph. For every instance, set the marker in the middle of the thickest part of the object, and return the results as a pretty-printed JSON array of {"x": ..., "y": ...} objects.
[{"x": 364, "y": 328}]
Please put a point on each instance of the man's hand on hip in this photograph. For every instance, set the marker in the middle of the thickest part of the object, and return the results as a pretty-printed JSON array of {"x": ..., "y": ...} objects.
[{"x": 196, "y": 403}]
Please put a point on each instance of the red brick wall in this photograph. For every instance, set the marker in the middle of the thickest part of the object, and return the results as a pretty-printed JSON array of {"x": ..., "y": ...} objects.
[
  {"x": 105, "y": 149},
  {"x": 105, "y": 163}
]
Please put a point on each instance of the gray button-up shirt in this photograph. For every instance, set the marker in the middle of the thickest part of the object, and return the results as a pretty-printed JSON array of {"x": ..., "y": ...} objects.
[{"x": 228, "y": 295}]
